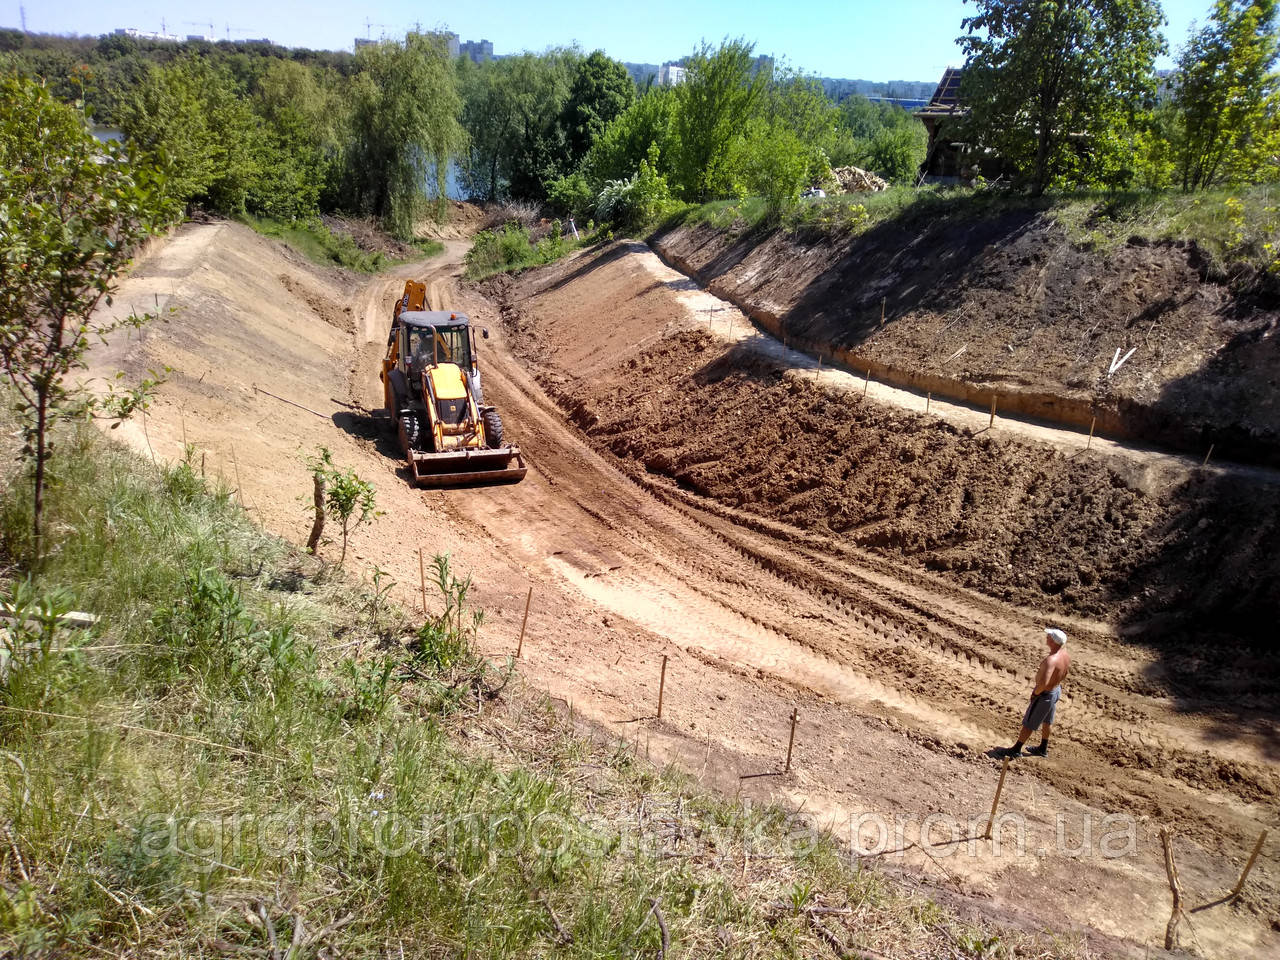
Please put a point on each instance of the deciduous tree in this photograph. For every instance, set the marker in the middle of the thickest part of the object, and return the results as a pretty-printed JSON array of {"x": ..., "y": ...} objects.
[
  {"x": 1227, "y": 93},
  {"x": 72, "y": 211},
  {"x": 190, "y": 120},
  {"x": 1051, "y": 84},
  {"x": 718, "y": 97},
  {"x": 404, "y": 128},
  {"x": 601, "y": 90}
]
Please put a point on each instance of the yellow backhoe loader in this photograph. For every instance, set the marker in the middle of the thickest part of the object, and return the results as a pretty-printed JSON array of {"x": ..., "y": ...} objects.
[{"x": 431, "y": 385}]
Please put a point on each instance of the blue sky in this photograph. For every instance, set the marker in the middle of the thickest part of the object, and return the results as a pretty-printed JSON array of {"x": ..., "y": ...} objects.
[{"x": 889, "y": 40}]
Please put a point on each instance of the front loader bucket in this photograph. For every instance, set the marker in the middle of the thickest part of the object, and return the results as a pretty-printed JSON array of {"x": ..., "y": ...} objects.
[{"x": 456, "y": 468}]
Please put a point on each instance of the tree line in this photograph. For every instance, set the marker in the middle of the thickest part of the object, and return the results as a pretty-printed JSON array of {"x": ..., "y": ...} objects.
[
  {"x": 291, "y": 133},
  {"x": 1062, "y": 94},
  {"x": 255, "y": 128}
]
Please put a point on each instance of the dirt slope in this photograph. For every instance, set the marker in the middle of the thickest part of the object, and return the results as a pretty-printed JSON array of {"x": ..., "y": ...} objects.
[
  {"x": 902, "y": 675},
  {"x": 720, "y": 422},
  {"x": 1007, "y": 306}
]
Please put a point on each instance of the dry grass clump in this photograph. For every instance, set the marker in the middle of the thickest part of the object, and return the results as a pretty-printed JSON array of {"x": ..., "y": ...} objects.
[{"x": 522, "y": 213}]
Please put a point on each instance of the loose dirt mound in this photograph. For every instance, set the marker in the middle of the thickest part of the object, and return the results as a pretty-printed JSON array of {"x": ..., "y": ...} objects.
[
  {"x": 1006, "y": 305},
  {"x": 463, "y": 220}
]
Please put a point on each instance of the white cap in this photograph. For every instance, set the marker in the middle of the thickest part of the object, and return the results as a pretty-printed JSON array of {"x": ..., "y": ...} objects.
[{"x": 1056, "y": 635}]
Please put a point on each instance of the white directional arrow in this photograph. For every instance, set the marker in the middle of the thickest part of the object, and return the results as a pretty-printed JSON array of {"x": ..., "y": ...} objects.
[{"x": 1118, "y": 361}]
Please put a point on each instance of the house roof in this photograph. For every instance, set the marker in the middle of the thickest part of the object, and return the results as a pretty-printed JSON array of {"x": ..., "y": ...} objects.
[{"x": 945, "y": 101}]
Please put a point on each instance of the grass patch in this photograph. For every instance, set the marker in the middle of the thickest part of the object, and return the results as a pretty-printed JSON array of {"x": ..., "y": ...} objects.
[
  {"x": 1237, "y": 228},
  {"x": 512, "y": 247},
  {"x": 321, "y": 245},
  {"x": 847, "y": 214},
  {"x": 251, "y": 751}
]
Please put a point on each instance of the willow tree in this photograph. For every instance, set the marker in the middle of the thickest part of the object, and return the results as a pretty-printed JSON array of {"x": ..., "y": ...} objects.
[
  {"x": 1052, "y": 85},
  {"x": 404, "y": 128},
  {"x": 1227, "y": 96}
]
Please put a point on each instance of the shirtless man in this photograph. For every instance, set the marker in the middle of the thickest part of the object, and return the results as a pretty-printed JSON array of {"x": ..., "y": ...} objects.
[{"x": 1044, "y": 698}]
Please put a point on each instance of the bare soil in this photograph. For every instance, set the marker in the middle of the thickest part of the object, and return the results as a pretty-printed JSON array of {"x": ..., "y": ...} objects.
[
  {"x": 672, "y": 519},
  {"x": 1008, "y": 306}
]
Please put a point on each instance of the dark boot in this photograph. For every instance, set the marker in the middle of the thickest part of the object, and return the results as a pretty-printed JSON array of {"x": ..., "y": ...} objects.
[{"x": 1040, "y": 750}]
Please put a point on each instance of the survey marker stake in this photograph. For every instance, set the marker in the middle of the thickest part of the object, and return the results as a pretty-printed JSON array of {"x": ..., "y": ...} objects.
[
  {"x": 995, "y": 804},
  {"x": 662, "y": 685},
  {"x": 240, "y": 491},
  {"x": 524, "y": 623},
  {"x": 1244, "y": 874},
  {"x": 791, "y": 742},
  {"x": 422, "y": 580},
  {"x": 1118, "y": 361}
]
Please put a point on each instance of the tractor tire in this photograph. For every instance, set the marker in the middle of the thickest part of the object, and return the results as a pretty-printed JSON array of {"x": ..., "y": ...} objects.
[
  {"x": 492, "y": 428},
  {"x": 410, "y": 432}
]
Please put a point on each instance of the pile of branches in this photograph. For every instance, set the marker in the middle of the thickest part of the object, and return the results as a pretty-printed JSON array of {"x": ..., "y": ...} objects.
[{"x": 857, "y": 180}]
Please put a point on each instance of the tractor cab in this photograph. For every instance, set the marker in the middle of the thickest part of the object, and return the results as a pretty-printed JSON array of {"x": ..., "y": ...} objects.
[
  {"x": 431, "y": 383},
  {"x": 440, "y": 344}
]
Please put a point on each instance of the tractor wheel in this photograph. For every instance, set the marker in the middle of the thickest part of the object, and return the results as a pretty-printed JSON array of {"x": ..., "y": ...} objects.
[
  {"x": 410, "y": 432},
  {"x": 492, "y": 428}
]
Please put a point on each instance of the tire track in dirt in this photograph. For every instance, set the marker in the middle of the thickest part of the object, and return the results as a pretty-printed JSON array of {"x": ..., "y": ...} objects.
[
  {"x": 964, "y": 645},
  {"x": 959, "y": 636}
]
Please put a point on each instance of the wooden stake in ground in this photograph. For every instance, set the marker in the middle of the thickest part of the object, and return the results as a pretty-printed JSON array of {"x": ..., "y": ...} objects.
[
  {"x": 317, "y": 525},
  {"x": 239, "y": 489},
  {"x": 422, "y": 580},
  {"x": 524, "y": 623},
  {"x": 867, "y": 382},
  {"x": 1207, "y": 456},
  {"x": 995, "y": 804},
  {"x": 1171, "y": 870},
  {"x": 791, "y": 742},
  {"x": 992, "y": 422},
  {"x": 662, "y": 685},
  {"x": 1244, "y": 874},
  {"x": 1092, "y": 423},
  {"x": 928, "y": 399},
  {"x": 883, "y": 301}
]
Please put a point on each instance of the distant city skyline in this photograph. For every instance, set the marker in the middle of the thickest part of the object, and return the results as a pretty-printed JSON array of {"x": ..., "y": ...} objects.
[{"x": 909, "y": 40}]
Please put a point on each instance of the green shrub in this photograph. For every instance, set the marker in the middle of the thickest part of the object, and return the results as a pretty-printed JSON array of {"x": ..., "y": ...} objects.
[
  {"x": 772, "y": 162},
  {"x": 638, "y": 201},
  {"x": 512, "y": 248},
  {"x": 571, "y": 196}
]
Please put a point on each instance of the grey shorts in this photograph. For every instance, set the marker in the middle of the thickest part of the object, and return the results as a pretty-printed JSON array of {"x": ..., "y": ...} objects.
[{"x": 1042, "y": 709}]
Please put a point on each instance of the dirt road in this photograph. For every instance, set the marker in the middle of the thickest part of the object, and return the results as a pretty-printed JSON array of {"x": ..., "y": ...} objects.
[{"x": 903, "y": 680}]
